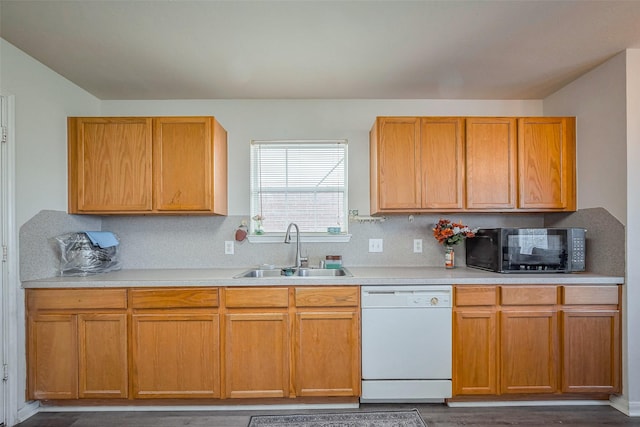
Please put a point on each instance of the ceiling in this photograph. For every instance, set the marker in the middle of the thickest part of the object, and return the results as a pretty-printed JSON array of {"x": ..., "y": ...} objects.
[{"x": 393, "y": 49}]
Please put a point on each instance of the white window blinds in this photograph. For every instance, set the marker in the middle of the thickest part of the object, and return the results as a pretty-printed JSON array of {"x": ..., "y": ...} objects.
[{"x": 299, "y": 181}]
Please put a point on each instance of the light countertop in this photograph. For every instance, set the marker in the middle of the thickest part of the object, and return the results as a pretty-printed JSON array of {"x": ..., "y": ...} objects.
[{"x": 361, "y": 276}]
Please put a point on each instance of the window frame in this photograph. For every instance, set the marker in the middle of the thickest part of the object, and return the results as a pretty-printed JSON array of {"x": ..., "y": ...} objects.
[{"x": 277, "y": 237}]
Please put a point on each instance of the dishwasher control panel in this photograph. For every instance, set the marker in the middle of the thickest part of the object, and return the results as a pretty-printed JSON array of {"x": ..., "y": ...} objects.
[
  {"x": 423, "y": 296},
  {"x": 428, "y": 301}
]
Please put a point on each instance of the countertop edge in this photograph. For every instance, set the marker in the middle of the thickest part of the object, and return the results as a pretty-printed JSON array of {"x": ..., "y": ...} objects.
[{"x": 361, "y": 276}]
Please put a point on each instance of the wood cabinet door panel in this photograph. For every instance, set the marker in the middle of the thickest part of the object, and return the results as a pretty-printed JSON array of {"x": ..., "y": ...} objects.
[
  {"x": 491, "y": 163},
  {"x": 257, "y": 351},
  {"x": 442, "y": 162},
  {"x": 398, "y": 161},
  {"x": 76, "y": 299},
  {"x": 327, "y": 296},
  {"x": 327, "y": 354},
  {"x": 476, "y": 295},
  {"x": 175, "y": 355},
  {"x": 174, "y": 298},
  {"x": 589, "y": 295},
  {"x": 110, "y": 164},
  {"x": 591, "y": 351},
  {"x": 546, "y": 151},
  {"x": 183, "y": 163},
  {"x": 267, "y": 297},
  {"x": 102, "y": 361},
  {"x": 529, "y": 295},
  {"x": 475, "y": 352},
  {"x": 529, "y": 351},
  {"x": 53, "y": 356}
]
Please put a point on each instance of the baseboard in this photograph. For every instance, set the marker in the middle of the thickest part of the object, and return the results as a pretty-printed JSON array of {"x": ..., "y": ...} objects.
[
  {"x": 173, "y": 408},
  {"x": 28, "y": 411},
  {"x": 622, "y": 404},
  {"x": 497, "y": 403}
]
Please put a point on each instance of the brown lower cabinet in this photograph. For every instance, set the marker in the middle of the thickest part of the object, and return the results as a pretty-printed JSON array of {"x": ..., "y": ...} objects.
[
  {"x": 235, "y": 342},
  {"x": 77, "y": 344},
  {"x": 529, "y": 347},
  {"x": 175, "y": 343},
  {"x": 327, "y": 342},
  {"x": 537, "y": 339},
  {"x": 256, "y": 342}
]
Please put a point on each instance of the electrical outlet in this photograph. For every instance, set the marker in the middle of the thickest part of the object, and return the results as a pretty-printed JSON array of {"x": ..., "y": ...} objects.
[
  {"x": 417, "y": 246},
  {"x": 228, "y": 247},
  {"x": 375, "y": 245}
]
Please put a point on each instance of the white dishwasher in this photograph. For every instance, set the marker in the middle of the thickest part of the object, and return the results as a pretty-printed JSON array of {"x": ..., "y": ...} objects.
[{"x": 406, "y": 343}]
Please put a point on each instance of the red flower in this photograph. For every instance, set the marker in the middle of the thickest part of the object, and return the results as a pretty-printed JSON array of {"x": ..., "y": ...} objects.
[{"x": 451, "y": 233}]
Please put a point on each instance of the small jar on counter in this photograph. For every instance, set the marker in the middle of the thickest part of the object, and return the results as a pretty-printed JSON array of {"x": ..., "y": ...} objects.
[{"x": 333, "y": 261}]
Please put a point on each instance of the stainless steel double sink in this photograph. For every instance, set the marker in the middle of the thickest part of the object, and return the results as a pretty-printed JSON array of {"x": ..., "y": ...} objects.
[{"x": 294, "y": 273}]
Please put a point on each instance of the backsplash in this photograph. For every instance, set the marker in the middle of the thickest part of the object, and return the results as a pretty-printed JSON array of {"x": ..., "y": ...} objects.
[
  {"x": 605, "y": 238},
  {"x": 198, "y": 242}
]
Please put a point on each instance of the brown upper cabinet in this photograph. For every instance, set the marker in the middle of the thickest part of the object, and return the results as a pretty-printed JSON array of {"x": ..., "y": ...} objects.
[
  {"x": 416, "y": 164},
  {"x": 147, "y": 165},
  {"x": 547, "y": 163},
  {"x": 479, "y": 164},
  {"x": 491, "y": 163}
]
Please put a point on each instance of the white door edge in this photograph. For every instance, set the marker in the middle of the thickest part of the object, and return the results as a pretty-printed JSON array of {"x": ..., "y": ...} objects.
[{"x": 10, "y": 278}]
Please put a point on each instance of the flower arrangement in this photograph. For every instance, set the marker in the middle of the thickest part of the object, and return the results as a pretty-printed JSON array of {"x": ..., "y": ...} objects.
[
  {"x": 451, "y": 233},
  {"x": 258, "y": 219}
]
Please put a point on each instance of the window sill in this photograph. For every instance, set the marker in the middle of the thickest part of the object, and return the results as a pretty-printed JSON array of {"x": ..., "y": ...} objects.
[{"x": 304, "y": 238}]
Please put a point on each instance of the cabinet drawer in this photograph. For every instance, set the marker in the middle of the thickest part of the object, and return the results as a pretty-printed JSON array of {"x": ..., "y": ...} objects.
[
  {"x": 76, "y": 299},
  {"x": 174, "y": 298},
  {"x": 529, "y": 295},
  {"x": 327, "y": 297},
  {"x": 576, "y": 295},
  {"x": 256, "y": 297},
  {"x": 475, "y": 295}
]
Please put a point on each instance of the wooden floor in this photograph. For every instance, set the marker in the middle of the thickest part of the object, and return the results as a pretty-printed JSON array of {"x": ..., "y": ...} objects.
[{"x": 435, "y": 415}]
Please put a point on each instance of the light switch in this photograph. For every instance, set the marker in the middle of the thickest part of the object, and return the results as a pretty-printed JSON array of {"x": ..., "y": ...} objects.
[{"x": 375, "y": 245}]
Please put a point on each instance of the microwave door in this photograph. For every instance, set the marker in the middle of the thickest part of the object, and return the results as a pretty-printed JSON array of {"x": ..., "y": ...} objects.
[
  {"x": 543, "y": 250},
  {"x": 481, "y": 253}
]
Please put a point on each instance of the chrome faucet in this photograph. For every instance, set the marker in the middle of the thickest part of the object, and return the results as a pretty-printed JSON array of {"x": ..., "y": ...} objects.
[{"x": 287, "y": 239}]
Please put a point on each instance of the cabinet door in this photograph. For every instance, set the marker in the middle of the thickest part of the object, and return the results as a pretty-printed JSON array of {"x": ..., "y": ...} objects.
[
  {"x": 109, "y": 164},
  {"x": 529, "y": 351},
  {"x": 53, "y": 356},
  {"x": 102, "y": 356},
  {"x": 546, "y": 152},
  {"x": 475, "y": 351},
  {"x": 442, "y": 162},
  {"x": 327, "y": 354},
  {"x": 591, "y": 351},
  {"x": 491, "y": 162},
  {"x": 257, "y": 353},
  {"x": 183, "y": 161},
  {"x": 175, "y": 355},
  {"x": 395, "y": 164}
]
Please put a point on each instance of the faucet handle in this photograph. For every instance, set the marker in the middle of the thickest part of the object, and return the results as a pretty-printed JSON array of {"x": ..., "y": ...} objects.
[{"x": 304, "y": 262}]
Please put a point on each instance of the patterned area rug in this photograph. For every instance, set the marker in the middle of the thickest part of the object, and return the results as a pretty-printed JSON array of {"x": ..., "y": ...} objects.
[{"x": 347, "y": 419}]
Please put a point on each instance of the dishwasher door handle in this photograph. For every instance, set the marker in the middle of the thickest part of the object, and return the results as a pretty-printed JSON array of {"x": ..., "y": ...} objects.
[{"x": 379, "y": 292}]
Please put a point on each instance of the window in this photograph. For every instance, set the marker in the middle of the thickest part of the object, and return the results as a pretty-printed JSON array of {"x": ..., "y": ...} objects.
[{"x": 299, "y": 181}]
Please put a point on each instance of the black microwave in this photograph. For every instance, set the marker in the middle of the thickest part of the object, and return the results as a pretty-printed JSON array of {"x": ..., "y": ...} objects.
[{"x": 527, "y": 250}]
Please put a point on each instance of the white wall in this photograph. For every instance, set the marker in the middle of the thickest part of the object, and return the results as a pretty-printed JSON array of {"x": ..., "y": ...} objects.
[
  {"x": 597, "y": 99},
  {"x": 606, "y": 102},
  {"x": 43, "y": 100},
  {"x": 245, "y": 120},
  {"x": 633, "y": 230}
]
